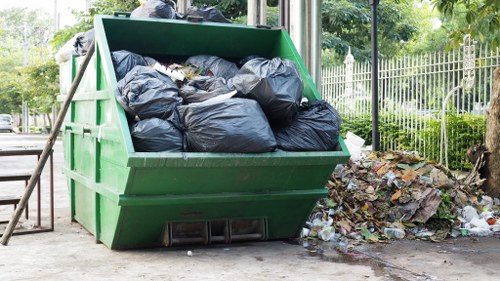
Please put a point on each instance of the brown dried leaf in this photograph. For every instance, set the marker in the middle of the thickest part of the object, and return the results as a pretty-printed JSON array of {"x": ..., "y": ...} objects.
[
  {"x": 409, "y": 175},
  {"x": 365, "y": 207},
  {"x": 396, "y": 195}
]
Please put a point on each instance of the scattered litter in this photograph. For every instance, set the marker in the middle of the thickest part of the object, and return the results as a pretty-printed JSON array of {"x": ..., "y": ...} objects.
[{"x": 395, "y": 195}]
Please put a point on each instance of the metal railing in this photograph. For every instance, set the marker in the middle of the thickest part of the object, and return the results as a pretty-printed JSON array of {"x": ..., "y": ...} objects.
[{"x": 412, "y": 90}]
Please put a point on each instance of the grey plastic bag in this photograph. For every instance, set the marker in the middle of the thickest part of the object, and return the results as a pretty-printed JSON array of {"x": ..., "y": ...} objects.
[
  {"x": 164, "y": 9},
  {"x": 203, "y": 88},
  {"x": 84, "y": 42},
  {"x": 146, "y": 93},
  {"x": 316, "y": 128},
  {"x": 208, "y": 13},
  {"x": 219, "y": 67},
  {"x": 124, "y": 61},
  {"x": 275, "y": 84},
  {"x": 156, "y": 135},
  {"x": 231, "y": 125}
]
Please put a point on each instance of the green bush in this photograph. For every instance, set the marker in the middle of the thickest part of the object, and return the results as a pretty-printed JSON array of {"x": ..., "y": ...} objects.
[{"x": 463, "y": 131}]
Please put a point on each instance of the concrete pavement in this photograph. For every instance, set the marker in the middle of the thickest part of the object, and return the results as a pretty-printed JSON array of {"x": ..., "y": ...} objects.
[{"x": 70, "y": 252}]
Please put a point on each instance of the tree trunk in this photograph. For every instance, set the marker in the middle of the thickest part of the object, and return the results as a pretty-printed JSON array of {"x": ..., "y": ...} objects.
[{"x": 492, "y": 184}]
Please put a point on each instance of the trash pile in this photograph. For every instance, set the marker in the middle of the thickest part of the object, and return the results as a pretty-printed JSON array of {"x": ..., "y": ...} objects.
[
  {"x": 395, "y": 195},
  {"x": 209, "y": 104},
  {"x": 80, "y": 43},
  {"x": 205, "y": 103}
]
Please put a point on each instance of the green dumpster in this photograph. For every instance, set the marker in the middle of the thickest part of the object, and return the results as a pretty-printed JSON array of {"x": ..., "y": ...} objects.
[{"x": 131, "y": 199}]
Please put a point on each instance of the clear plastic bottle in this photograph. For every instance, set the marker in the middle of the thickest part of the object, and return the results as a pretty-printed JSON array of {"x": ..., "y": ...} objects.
[{"x": 394, "y": 232}]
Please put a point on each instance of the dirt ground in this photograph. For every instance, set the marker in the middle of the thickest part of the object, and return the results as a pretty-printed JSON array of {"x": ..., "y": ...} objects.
[{"x": 70, "y": 253}]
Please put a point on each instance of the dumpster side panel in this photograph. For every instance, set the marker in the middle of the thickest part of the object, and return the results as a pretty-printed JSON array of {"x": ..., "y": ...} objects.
[
  {"x": 109, "y": 214},
  {"x": 85, "y": 207},
  {"x": 144, "y": 218}
]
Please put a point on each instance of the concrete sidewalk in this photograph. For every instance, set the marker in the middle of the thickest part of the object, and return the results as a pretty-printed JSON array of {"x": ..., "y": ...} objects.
[{"x": 71, "y": 253}]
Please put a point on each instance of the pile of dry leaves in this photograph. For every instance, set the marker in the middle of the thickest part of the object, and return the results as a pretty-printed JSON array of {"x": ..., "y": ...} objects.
[{"x": 395, "y": 195}]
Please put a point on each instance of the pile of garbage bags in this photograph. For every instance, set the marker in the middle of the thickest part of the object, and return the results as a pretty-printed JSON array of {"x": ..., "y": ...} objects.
[
  {"x": 79, "y": 44},
  {"x": 395, "y": 195},
  {"x": 210, "y": 104}
]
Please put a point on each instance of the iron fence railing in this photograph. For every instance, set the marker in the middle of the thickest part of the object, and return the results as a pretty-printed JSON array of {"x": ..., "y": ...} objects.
[{"x": 411, "y": 94}]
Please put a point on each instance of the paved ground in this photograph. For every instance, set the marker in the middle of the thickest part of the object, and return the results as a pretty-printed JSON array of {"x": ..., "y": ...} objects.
[{"x": 70, "y": 253}]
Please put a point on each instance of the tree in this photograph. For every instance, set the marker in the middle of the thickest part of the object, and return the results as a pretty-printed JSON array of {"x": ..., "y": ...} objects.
[
  {"x": 85, "y": 20},
  {"x": 23, "y": 41},
  {"x": 482, "y": 19},
  {"x": 41, "y": 86},
  {"x": 492, "y": 184},
  {"x": 347, "y": 23}
]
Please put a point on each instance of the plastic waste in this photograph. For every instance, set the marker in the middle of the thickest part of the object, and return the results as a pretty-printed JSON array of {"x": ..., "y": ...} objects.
[
  {"x": 354, "y": 144},
  {"x": 124, "y": 61},
  {"x": 173, "y": 74},
  {"x": 305, "y": 232},
  {"x": 203, "y": 88},
  {"x": 477, "y": 222},
  {"x": 83, "y": 42},
  {"x": 213, "y": 66},
  {"x": 156, "y": 135},
  {"x": 155, "y": 9},
  {"x": 480, "y": 231},
  {"x": 208, "y": 13},
  {"x": 67, "y": 50},
  {"x": 315, "y": 128},
  {"x": 327, "y": 233},
  {"x": 231, "y": 125},
  {"x": 275, "y": 84},
  {"x": 469, "y": 213},
  {"x": 424, "y": 233},
  {"x": 146, "y": 93},
  {"x": 393, "y": 232}
]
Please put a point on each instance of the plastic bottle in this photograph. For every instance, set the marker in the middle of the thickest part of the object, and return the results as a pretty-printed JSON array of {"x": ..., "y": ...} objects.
[{"x": 393, "y": 232}]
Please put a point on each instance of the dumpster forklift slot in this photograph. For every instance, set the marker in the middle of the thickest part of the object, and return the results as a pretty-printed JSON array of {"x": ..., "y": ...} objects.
[{"x": 215, "y": 231}]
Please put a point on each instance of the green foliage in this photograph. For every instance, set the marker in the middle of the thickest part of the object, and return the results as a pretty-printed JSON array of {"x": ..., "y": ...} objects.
[
  {"x": 482, "y": 19},
  {"x": 10, "y": 92},
  {"x": 85, "y": 19},
  {"x": 462, "y": 131},
  {"x": 347, "y": 23},
  {"x": 41, "y": 86},
  {"x": 23, "y": 47}
]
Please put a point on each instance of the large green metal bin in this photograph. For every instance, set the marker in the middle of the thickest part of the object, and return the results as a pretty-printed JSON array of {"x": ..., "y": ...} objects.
[{"x": 131, "y": 199}]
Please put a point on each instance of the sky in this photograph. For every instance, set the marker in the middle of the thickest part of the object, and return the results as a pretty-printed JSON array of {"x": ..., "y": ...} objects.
[{"x": 64, "y": 8}]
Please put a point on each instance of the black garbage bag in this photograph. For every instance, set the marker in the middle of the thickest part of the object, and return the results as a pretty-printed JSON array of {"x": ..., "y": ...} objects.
[
  {"x": 315, "y": 128},
  {"x": 203, "y": 88},
  {"x": 124, "y": 61},
  {"x": 208, "y": 13},
  {"x": 232, "y": 125},
  {"x": 164, "y": 9},
  {"x": 84, "y": 42},
  {"x": 275, "y": 84},
  {"x": 146, "y": 93},
  {"x": 216, "y": 66},
  {"x": 156, "y": 134}
]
